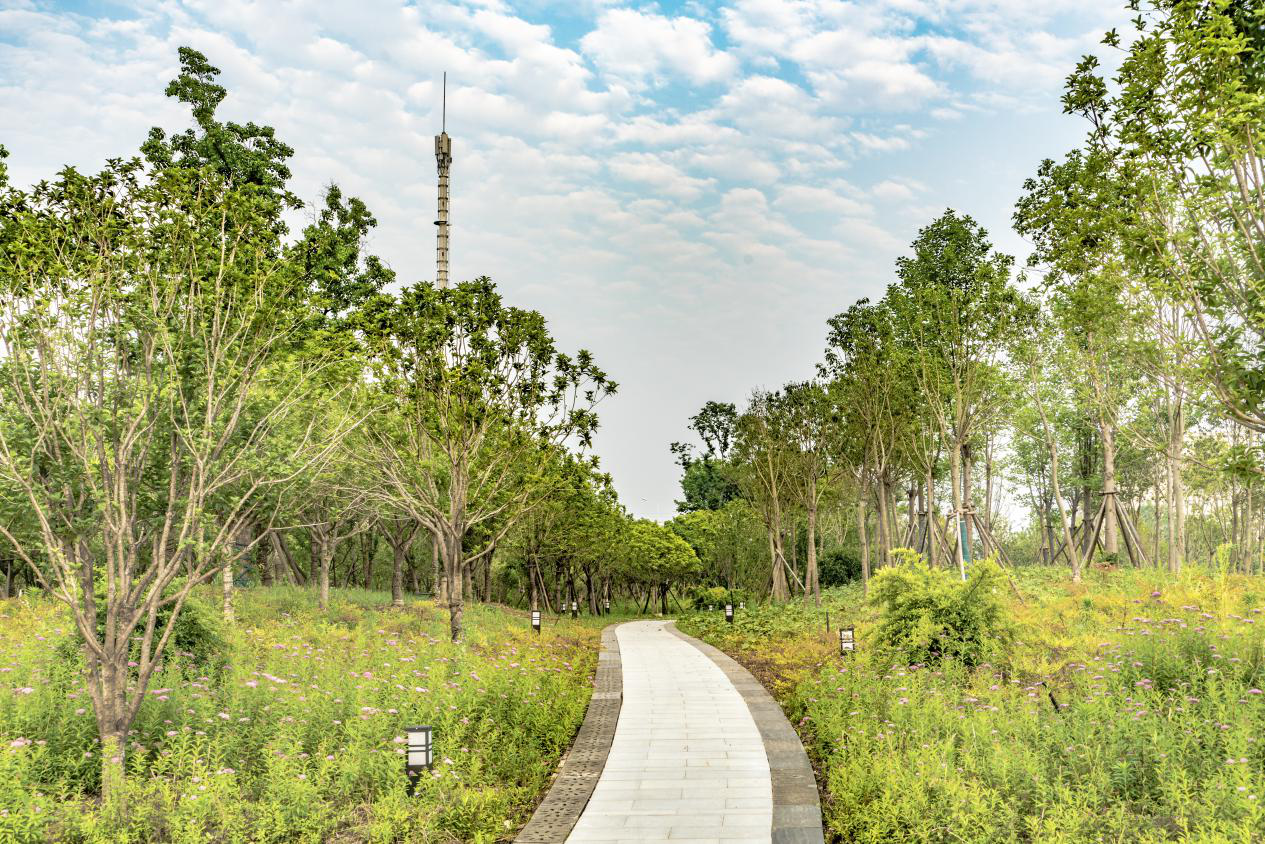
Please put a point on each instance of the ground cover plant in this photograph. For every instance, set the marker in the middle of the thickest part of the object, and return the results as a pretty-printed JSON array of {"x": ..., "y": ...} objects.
[
  {"x": 1128, "y": 707},
  {"x": 297, "y": 733}
]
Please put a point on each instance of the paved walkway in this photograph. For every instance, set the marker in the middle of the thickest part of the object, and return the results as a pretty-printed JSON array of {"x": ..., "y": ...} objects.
[{"x": 687, "y": 763}]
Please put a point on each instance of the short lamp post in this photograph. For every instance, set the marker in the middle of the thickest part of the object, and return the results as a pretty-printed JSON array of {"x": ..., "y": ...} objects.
[
  {"x": 575, "y": 609},
  {"x": 847, "y": 642},
  {"x": 729, "y": 613},
  {"x": 535, "y": 620},
  {"x": 420, "y": 754},
  {"x": 711, "y": 607},
  {"x": 607, "y": 606}
]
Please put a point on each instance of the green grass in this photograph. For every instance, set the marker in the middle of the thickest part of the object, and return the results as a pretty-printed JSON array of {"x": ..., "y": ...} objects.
[
  {"x": 300, "y": 738},
  {"x": 1158, "y": 734}
]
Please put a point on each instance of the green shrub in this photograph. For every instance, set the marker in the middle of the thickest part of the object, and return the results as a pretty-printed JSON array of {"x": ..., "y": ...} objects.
[
  {"x": 198, "y": 641},
  {"x": 702, "y": 597},
  {"x": 929, "y": 614},
  {"x": 838, "y": 567}
]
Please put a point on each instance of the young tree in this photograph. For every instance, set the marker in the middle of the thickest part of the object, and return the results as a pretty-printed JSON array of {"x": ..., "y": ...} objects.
[
  {"x": 483, "y": 401},
  {"x": 957, "y": 311},
  {"x": 141, "y": 315}
]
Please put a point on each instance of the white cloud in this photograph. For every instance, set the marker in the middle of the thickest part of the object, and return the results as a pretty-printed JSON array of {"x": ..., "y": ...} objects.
[
  {"x": 677, "y": 191},
  {"x": 641, "y": 47}
]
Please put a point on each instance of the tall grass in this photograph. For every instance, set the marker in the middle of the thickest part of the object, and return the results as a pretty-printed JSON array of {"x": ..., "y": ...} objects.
[
  {"x": 1130, "y": 708},
  {"x": 301, "y": 737}
]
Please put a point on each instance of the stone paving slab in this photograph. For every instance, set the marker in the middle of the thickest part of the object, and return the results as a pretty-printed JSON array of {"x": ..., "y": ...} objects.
[
  {"x": 796, "y": 806},
  {"x": 687, "y": 762},
  {"x": 691, "y": 750}
]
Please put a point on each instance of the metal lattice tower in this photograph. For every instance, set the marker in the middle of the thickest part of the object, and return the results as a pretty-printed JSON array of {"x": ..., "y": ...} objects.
[{"x": 443, "y": 159}]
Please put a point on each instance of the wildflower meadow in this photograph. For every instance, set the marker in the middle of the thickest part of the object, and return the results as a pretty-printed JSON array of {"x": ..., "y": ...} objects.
[
  {"x": 297, "y": 733},
  {"x": 1130, "y": 707}
]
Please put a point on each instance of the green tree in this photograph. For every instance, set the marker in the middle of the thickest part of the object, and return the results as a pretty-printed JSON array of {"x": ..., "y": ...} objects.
[{"x": 483, "y": 399}]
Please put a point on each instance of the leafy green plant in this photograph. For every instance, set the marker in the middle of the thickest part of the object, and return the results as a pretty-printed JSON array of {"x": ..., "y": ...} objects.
[{"x": 929, "y": 615}]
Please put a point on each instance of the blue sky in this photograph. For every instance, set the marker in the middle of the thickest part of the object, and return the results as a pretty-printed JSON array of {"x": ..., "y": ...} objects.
[{"x": 687, "y": 189}]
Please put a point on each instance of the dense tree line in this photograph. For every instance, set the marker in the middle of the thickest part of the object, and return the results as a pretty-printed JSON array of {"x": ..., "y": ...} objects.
[
  {"x": 1101, "y": 405},
  {"x": 191, "y": 393}
]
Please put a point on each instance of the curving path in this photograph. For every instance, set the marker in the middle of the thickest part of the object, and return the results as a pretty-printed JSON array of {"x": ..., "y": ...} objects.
[{"x": 699, "y": 753}]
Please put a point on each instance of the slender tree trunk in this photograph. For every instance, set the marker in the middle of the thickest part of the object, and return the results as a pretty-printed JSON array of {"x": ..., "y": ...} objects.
[
  {"x": 265, "y": 560},
  {"x": 988, "y": 484},
  {"x": 226, "y": 581},
  {"x": 401, "y": 541},
  {"x": 1111, "y": 528},
  {"x": 930, "y": 508},
  {"x": 812, "y": 583},
  {"x": 1176, "y": 488},
  {"x": 780, "y": 590},
  {"x": 968, "y": 503},
  {"x": 1156, "y": 556},
  {"x": 955, "y": 461},
  {"x": 864, "y": 541},
  {"x": 371, "y": 547},
  {"x": 454, "y": 565},
  {"x": 1087, "y": 538},
  {"x": 440, "y": 589},
  {"x": 884, "y": 541},
  {"x": 314, "y": 558},
  {"x": 325, "y": 559}
]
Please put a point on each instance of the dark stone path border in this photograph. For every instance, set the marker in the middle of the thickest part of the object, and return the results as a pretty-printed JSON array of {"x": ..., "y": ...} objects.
[
  {"x": 796, "y": 807},
  {"x": 582, "y": 766}
]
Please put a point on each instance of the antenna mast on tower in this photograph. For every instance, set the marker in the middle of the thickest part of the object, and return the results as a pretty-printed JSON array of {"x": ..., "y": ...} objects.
[{"x": 443, "y": 159}]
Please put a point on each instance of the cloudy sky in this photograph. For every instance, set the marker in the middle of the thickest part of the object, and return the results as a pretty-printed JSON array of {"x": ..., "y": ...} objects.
[{"x": 687, "y": 189}]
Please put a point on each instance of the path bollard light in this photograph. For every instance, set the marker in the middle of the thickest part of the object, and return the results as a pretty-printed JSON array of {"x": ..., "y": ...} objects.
[
  {"x": 420, "y": 754},
  {"x": 729, "y": 613},
  {"x": 535, "y": 620},
  {"x": 575, "y": 609},
  {"x": 742, "y": 605},
  {"x": 847, "y": 644},
  {"x": 607, "y": 604}
]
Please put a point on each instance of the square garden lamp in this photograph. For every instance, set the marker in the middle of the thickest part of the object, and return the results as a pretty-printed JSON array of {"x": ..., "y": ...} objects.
[
  {"x": 607, "y": 604},
  {"x": 729, "y": 613},
  {"x": 742, "y": 605},
  {"x": 535, "y": 620},
  {"x": 575, "y": 609},
  {"x": 847, "y": 643},
  {"x": 420, "y": 754}
]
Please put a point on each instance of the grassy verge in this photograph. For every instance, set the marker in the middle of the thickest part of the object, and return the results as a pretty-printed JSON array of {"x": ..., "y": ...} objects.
[
  {"x": 297, "y": 734},
  {"x": 1130, "y": 709}
]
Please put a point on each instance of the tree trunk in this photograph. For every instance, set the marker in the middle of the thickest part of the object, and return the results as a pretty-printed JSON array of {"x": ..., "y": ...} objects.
[
  {"x": 929, "y": 505},
  {"x": 453, "y": 571},
  {"x": 226, "y": 582},
  {"x": 1176, "y": 488},
  {"x": 864, "y": 540},
  {"x": 968, "y": 503},
  {"x": 1111, "y": 528},
  {"x": 401, "y": 541},
  {"x": 812, "y": 583},
  {"x": 371, "y": 546},
  {"x": 440, "y": 589},
  {"x": 955, "y": 462},
  {"x": 988, "y": 484},
  {"x": 325, "y": 559},
  {"x": 884, "y": 541},
  {"x": 314, "y": 558},
  {"x": 265, "y": 560},
  {"x": 780, "y": 591}
]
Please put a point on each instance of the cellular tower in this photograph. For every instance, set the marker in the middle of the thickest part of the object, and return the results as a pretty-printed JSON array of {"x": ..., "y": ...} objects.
[{"x": 443, "y": 159}]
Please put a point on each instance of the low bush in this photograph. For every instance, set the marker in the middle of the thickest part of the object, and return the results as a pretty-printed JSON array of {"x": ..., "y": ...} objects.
[
  {"x": 838, "y": 567},
  {"x": 929, "y": 615}
]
